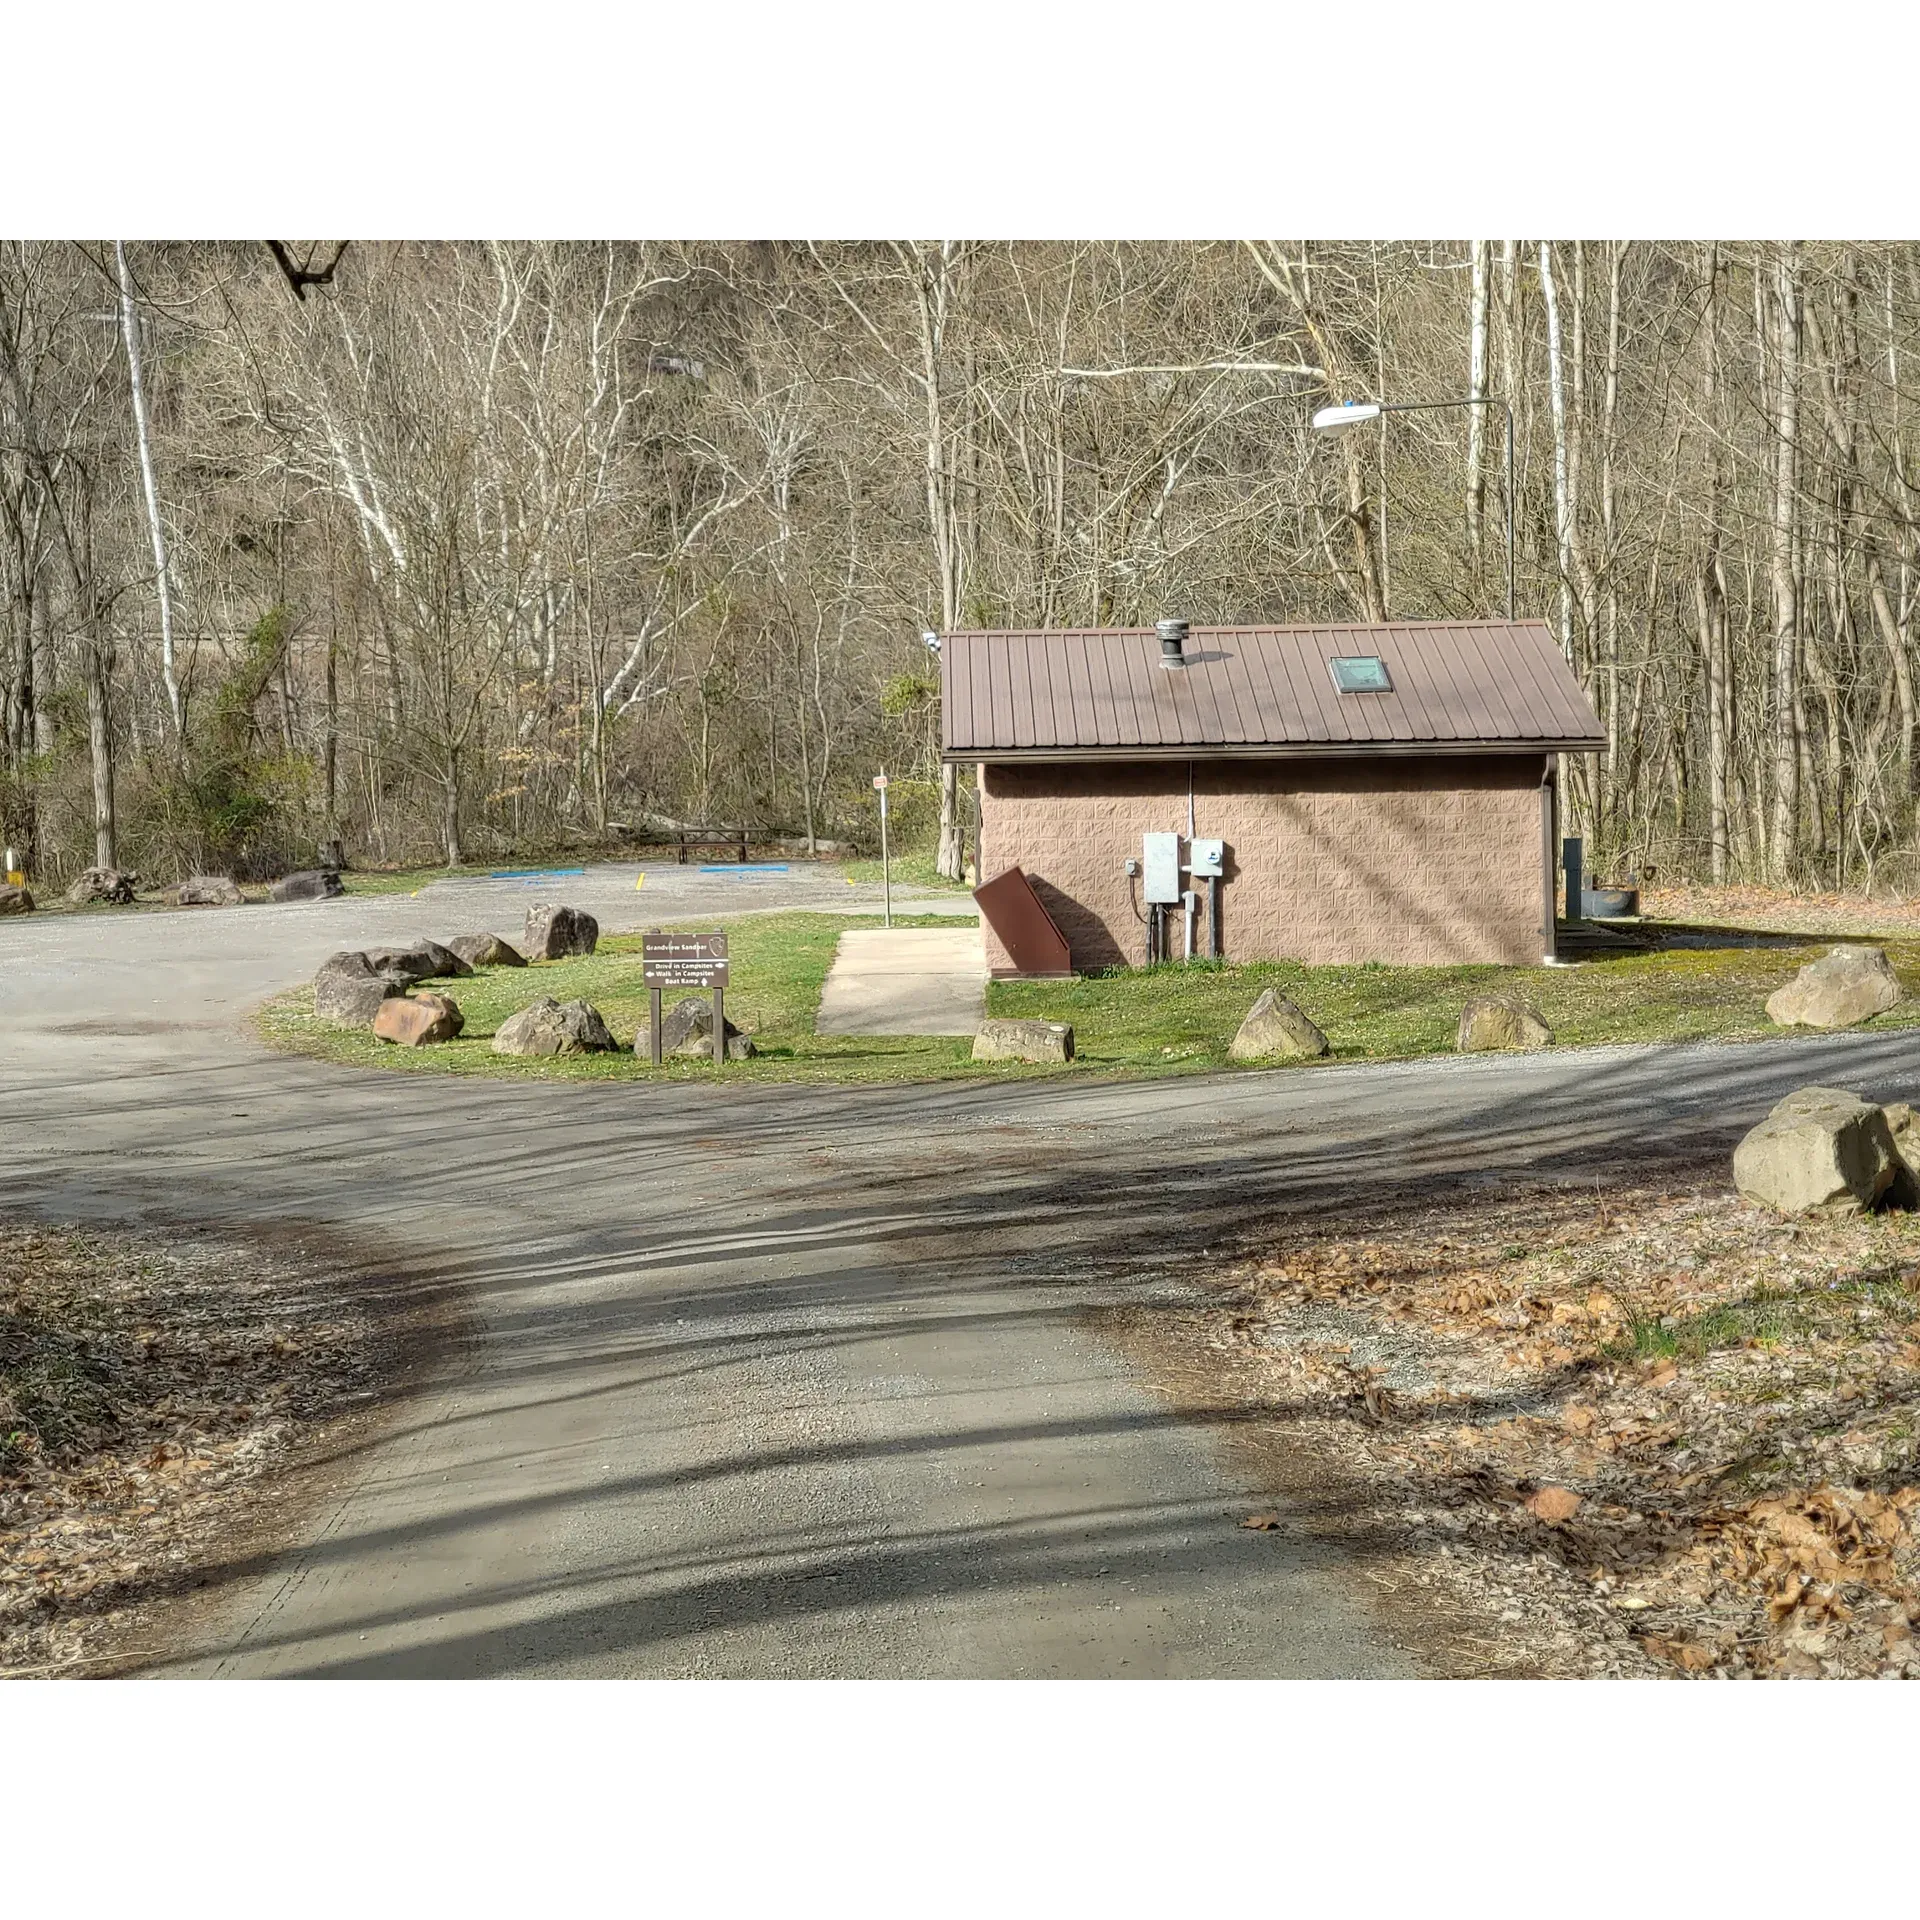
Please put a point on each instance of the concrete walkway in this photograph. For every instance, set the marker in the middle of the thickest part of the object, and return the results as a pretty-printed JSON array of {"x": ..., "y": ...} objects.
[{"x": 895, "y": 980}]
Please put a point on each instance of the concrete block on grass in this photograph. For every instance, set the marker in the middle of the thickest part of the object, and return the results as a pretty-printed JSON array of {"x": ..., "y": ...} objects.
[{"x": 1043, "y": 1042}]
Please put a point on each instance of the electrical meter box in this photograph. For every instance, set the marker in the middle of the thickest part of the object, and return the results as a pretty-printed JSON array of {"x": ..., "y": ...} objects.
[
  {"x": 1161, "y": 869},
  {"x": 1207, "y": 859}
]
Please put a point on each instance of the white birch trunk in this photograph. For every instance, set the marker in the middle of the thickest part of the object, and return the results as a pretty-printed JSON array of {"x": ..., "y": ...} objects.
[{"x": 130, "y": 332}]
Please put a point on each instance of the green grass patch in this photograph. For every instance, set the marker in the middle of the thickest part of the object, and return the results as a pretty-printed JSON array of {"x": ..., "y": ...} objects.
[
  {"x": 1770, "y": 1317},
  {"x": 778, "y": 964},
  {"x": 1167, "y": 1019},
  {"x": 1767, "y": 1318},
  {"x": 1185, "y": 1017},
  {"x": 405, "y": 879},
  {"x": 909, "y": 870}
]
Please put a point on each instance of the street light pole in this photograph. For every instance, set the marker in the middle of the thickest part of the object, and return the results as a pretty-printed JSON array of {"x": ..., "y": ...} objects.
[{"x": 1355, "y": 412}]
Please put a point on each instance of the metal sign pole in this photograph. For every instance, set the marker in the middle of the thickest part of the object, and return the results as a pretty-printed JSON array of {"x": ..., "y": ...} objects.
[
  {"x": 719, "y": 1027},
  {"x": 886, "y": 867}
]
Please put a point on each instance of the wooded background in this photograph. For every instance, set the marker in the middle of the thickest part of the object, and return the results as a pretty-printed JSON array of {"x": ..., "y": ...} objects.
[{"x": 478, "y": 549}]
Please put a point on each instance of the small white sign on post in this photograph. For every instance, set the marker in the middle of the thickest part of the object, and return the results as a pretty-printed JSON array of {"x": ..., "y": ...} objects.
[{"x": 886, "y": 869}]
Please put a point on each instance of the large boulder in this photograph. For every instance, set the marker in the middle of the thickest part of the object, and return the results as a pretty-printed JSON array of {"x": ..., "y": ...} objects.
[
  {"x": 1046, "y": 1042},
  {"x": 550, "y": 1026},
  {"x": 559, "y": 933},
  {"x": 15, "y": 899},
  {"x": 1275, "y": 1029},
  {"x": 107, "y": 885},
  {"x": 686, "y": 1029},
  {"x": 320, "y": 884},
  {"x": 419, "y": 1020},
  {"x": 1491, "y": 1022},
  {"x": 350, "y": 989},
  {"x": 205, "y": 890},
  {"x": 1904, "y": 1124},
  {"x": 423, "y": 960},
  {"x": 1844, "y": 987},
  {"x": 485, "y": 950},
  {"x": 1820, "y": 1147}
]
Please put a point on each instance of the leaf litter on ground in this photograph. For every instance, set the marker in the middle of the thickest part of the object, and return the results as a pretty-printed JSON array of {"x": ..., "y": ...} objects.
[
  {"x": 1649, "y": 1428},
  {"x": 149, "y": 1381}
]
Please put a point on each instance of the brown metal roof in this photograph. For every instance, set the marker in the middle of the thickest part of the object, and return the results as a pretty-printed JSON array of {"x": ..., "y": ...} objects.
[{"x": 1101, "y": 693}]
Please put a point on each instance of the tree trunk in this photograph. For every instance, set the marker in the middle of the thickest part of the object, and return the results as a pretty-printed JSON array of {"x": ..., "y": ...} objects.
[
  {"x": 1786, "y": 605},
  {"x": 331, "y": 750},
  {"x": 21, "y": 723},
  {"x": 1476, "y": 416},
  {"x": 1366, "y": 549},
  {"x": 99, "y": 671},
  {"x": 40, "y": 618},
  {"x": 1710, "y": 595},
  {"x": 150, "y": 493},
  {"x": 1557, "y": 401},
  {"x": 450, "y": 811}
]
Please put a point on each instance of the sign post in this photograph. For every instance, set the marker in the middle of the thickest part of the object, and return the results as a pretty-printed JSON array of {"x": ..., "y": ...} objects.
[
  {"x": 886, "y": 870},
  {"x": 681, "y": 961}
]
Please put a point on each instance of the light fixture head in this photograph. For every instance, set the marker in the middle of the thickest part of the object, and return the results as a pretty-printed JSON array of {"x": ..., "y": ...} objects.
[
  {"x": 1351, "y": 414},
  {"x": 931, "y": 641}
]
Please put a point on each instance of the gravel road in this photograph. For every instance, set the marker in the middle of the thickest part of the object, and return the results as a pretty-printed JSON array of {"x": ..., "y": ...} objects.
[{"x": 784, "y": 1381}]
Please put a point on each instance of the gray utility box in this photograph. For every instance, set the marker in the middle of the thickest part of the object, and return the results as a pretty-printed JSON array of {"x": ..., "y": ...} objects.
[
  {"x": 1160, "y": 869},
  {"x": 1206, "y": 859}
]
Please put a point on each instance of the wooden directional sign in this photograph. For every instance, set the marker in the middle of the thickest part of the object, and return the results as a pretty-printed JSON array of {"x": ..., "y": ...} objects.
[{"x": 681, "y": 961}]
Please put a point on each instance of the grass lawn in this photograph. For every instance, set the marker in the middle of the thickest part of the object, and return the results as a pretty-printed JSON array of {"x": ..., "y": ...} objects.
[
  {"x": 778, "y": 964},
  {"x": 1170, "y": 1019},
  {"x": 1187, "y": 1016},
  {"x": 909, "y": 870},
  {"x": 406, "y": 879}
]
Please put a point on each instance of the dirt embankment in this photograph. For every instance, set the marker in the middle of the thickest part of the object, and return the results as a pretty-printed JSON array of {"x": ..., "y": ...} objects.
[
  {"x": 166, "y": 1396},
  {"x": 1616, "y": 1429}
]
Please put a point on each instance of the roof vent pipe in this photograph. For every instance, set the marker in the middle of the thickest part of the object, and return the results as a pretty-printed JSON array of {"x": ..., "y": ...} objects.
[{"x": 1173, "y": 642}]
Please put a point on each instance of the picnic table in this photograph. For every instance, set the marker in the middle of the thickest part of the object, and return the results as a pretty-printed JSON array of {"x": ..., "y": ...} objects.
[{"x": 690, "y": 838}]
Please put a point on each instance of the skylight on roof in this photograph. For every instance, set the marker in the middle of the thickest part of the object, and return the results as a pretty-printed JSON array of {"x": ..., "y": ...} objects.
[{"x": 1361, "y": 673}]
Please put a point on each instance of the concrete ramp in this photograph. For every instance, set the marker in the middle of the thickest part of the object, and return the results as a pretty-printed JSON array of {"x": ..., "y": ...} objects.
[{"x": 906, "y": 980}]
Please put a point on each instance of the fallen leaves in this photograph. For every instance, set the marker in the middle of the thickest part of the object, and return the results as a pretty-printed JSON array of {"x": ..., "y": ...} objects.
[
  {"x": 1688, "y": 1655},
  {"x": 1711, "y": 1416},
  {"x": 1554, "y": 1505},
  {"x": 149, "y": 1381}
]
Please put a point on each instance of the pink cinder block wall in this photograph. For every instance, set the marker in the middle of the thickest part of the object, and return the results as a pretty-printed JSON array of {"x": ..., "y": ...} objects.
[{"x": 1421, "y": 860}]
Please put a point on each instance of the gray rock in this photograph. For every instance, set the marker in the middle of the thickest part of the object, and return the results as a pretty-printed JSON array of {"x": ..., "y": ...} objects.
[
  {"x": 1904, "y": 1125},
  {"x": 107, "y": 885},
  {"x": 423, "y": 960},
  {"x": 1493, "y": 1021},
  {"x": 15, "y": 899},
  {"x": 550, "y": 1027},
  {"x": 1844, "y": 987},
  {"x": 419, "y": 1020},
  {"x": 485, "y": 950},
  {"x": 1043, "y": 1041},
  {"x": 686, "y": 1031},
  {"x": 320, "y": 884},
  {"x": 349, "y": 989},
  {"x": 1820, "y": 1147},
  {"x": 559, "y": 933},
  {"x": 205, "y": 890},
  {"x": 1275, "y": 1029}
]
